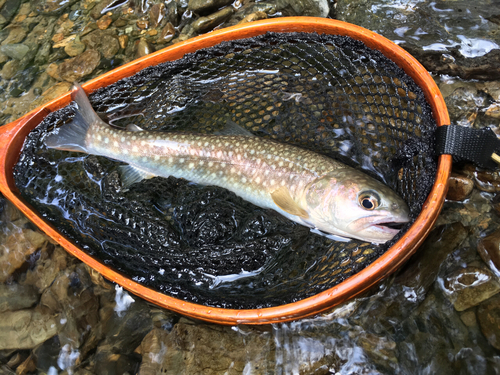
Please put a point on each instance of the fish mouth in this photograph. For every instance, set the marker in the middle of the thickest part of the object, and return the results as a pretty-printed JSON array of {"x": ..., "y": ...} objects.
[
  {"x": 394, "y": 226},
  {"x": 383, "y": 224}
]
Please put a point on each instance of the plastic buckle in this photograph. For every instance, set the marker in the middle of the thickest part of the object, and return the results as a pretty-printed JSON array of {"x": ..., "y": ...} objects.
[{"x": 480, "y": 146}]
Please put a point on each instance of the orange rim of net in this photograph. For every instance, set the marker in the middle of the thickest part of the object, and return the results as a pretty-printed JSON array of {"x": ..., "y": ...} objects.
[{"x": 12, "y": 138}]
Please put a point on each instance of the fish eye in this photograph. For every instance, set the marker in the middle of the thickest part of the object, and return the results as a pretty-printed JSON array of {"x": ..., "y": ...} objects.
[{"x": 369, "y": 200}]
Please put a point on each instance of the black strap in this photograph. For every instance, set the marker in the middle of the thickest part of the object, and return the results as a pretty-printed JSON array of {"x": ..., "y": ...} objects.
[{"x": 468, "y": 144}]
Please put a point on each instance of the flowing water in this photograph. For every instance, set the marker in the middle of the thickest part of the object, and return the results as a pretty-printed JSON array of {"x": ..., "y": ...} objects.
[{"x": 440, "y": 313}]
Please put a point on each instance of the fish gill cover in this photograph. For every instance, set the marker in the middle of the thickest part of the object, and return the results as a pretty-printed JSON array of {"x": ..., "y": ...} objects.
[{"x": 203, "y": 244}]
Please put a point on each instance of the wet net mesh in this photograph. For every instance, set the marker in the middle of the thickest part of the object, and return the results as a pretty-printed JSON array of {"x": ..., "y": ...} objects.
[{"x": 330, "y": 94}]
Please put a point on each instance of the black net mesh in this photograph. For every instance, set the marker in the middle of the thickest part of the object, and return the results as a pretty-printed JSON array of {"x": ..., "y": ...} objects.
[{"x": 204, "y": 244}]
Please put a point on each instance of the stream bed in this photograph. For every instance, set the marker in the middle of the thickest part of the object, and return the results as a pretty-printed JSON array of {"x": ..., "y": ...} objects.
[{"x": 439, "y": 314}]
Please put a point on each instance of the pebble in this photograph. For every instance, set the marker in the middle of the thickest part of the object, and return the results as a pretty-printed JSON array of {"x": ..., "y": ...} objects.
[
  {"x": 104, "y": 22},
  {"x": 120, "y": 22},
  {"x": 74, "y": 48},
  {"x": 53, "y": 7},
  {"x": 468, "y": 287},
  {"x": 74, "y": 69},
  {"x": 8, "y": 10},
  {"x": 460, "y": 187},
  {"x": 253, "y": 17},
  {"x": 203, "y": 24},
  {"x": 143, "y": 48},
  {"x": 9, "y": 69},
  {"x": 166, "y": 34},
  {"x": 17, "y": 297},
  {"x": 15, "y": 51},
  {"x": 63, "y": 42},
  {"x": 142, "y": 23},
  {"x": 488, "y": 315},
  {"x": 57, "y": 37},
  {"x": 206, "y": 6},
  {"x": 16, "y": 35},
  {"x": 156, "y": 14},
  {"x": 123, "y": 40},
  {"x": 104, "y": 41},
  {"x": 489, "y": 250},
  {"x": 53, "y": 71}
]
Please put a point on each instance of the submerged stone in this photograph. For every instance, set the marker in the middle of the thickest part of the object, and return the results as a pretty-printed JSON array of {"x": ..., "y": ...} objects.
[
  {"x": 203, "y": 24},
  {"x": 470, "y": 286},
  {"x": 489, "y": 250},
  {"x": 53, "y": 7},
  {"x": 460, "y": 187},
  {"x": 204, "y": 7},
  {"x": 15, "y": 51},
  {"x": 8, "y": 10},
  {"x": 17, "y": 297},
  {"x": 488, "y": 315},
  {"x": 75, "y": 69}
]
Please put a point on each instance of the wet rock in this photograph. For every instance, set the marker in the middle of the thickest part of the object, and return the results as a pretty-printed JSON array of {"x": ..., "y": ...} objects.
[
  {"x": 52, "y": 93},
  {"x": 53, "y": 71},
  {"x": 464, "y": 104},
  {"x": 3, "y": 58},
  {"x": 174, "y": 352},
  {"x": 166, "y": 34},
  {"x": 469, "y": 318},
  {"x": 28, "y": 366},
  {"x": 143, "y": 48},
  {"x": 489, "y": 250},
  {"x": 74, "y": 47},
  {"x": 15, "y": 51},
  {"x": 17, "y": 248},
  {"x": 460, "y": 187},
  {"x": 452, "y": 41},
  {"x": 9, "y": 69},
  {"x": 120, "y": 22},
  {"x": 470, "y": 286},
  {"x": 142, "y": 23},
  {"x": 103, "y": 41},
  {"x": 8, "y": 10},
  {"x": 254, "y": 17},
  {"x": 16, "y": 35},
  {"x": 42, "y": 56},
  {"x": 75, "y": 69},
  {"x": 123, "y": 40},
  {"x": 25, "y": 329},
  {"x": 488, "y": 315},
  {"x": 204, "y": 7},
  {"x": 311, "y": 8},
  {"x": 157, "y": 14},
  {"x": 104, "y": 22},
  {"x": 53, "y": 7},
  {"x": 484, "y": 180},
  {"x": 99, "y": 8},
  {"x": 203, "y": 24},
  {"x": 16, "y": 297}
]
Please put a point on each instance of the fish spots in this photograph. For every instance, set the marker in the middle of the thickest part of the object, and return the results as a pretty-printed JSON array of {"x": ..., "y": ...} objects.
[
  {"x": 144, "y": 159},
  {"x": 157, "y": 157},
  {"x": 244, "y": 180},
  {"x": 134, "y": 137},
  {"x": 170, "y": 160},
  {"x": 99, "y": 138},
  {"x": 122, "y": 139},
  {"x": 257, "y": 180},
  {"x": 106, "y": 140},
  {"x": 280, "y": 163},
  {"x": 191, "y": 165},
  {"x": 272, "y": 182},
  {"x": 116, "y": 144},
  {"x": 135, "y": 149},
  {"x": 201, "y": 162},
  {"x": 182, "y": 160},
  {"x": 210, "y": 163}
]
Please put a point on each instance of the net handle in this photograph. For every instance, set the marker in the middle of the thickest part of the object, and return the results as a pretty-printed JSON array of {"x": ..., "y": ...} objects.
[{"x": 383, "y": 266}]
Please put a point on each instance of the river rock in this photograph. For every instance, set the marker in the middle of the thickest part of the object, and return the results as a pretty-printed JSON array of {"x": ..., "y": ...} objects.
[
  {"x": 9, "y": 69},
  {"x": 16, "y": 249},
  {"x": 157, "y": 14},
  {"x": 203, "y": 24},
  {"x": 460, "y": 187},
  {"x": 53, "y": 7},
  {"x": 75, "y": 69},
  {"x": 8, "y": 10},
  {"x": 464, "y": 104},
  {"x": 103, "y": 41},
  {"x": 17, "y": 297},
  {"x": 104, "y": 22},
  {"x": 456, "y": 39},
  {"x": 489, "y": 250},
  {"x": 189, "y": 349},
  {"x": 488, "y": 315},
  {"x": 204, "y": 7},
  {"x": 15, "y": 51},
  {"x": 16, "y": 35},
  {"x": 25, "y": 329},
  {"x": 253, "y": 17},
  {"x": 74, "y": 47},
  {"x": 166, "y": 34},
  {"x": 143, "y": 48},
  {"x": 468, "y": 287},
  {"x": 311, "y": 8}
]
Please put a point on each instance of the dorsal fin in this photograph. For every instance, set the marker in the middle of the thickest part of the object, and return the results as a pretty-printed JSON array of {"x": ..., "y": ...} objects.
[
  {"x": 284, "y": 200},
  {"x": 232, "y": 128}
]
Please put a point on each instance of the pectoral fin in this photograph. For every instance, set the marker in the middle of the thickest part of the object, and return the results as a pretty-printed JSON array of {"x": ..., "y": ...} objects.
[
  {"x": 130, "y": 175},
  {"x": 284, "y": 200}
]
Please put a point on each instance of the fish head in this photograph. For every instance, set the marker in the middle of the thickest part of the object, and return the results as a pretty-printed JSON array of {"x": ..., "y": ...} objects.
[{"x": 349, "y": 203}]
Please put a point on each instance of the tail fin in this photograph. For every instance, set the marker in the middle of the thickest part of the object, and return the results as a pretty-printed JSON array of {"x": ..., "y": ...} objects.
[{"x": 71, "y": 137}]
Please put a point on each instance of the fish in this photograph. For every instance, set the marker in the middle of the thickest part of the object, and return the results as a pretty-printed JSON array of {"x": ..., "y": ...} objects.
[{"x": 306, "y": 187}]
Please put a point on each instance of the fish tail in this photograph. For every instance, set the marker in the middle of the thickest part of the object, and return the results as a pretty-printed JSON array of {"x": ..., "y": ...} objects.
[{"x": 72, "y": 136}]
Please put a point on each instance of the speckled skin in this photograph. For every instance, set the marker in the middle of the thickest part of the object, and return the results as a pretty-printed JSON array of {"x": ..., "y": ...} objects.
[{"x": 251, "y": 167}]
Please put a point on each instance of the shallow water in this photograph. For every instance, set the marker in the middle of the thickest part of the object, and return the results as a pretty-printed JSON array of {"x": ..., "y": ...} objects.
[{"x": 440, "y": 313}]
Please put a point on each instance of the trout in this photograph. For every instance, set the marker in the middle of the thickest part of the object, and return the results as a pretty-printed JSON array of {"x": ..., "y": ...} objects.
[{"x": 306, "y": 187}]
